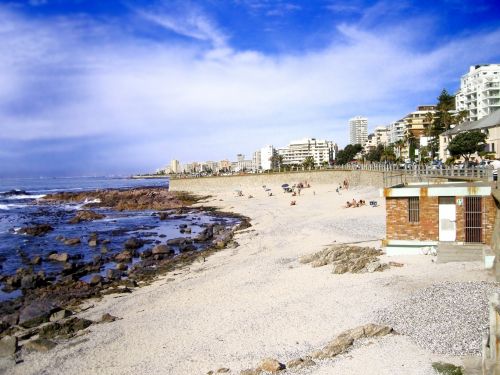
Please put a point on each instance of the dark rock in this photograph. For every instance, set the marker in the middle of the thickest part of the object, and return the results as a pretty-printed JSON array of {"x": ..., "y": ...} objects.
[
  {"x": 161, "y": 249},
  {"x": 36, "y": 260},
  {"x": 183, "y": 226},
  {"x": 121, "y": 267},
  {"x": 40, "y": 345},
  {"x": 64, "y": 329},
  {"x": 95, "y": 279},
  {"x": 8, "y": 346},
  {"x": 124, "y": 256},
  {"x": 36, "y": 313},
  {"x": 133, "y": 243},
  {"x": 86, "y": 215},
  {"x": 59, "y": 315},
  {"x": 176, "y": 241},
  {"x": 36, "y": 230},
  {"x": 146, "y": 254},
  {"x": 29, "y": 282},
  {"x": 114, "y": 274},
  {"x": 163, "y": 216}
]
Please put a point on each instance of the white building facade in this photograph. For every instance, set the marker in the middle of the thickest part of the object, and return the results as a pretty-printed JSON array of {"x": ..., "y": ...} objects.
[
  {"x": 358, "y": 130},
  {"x": 296, "y": 152},
  {"x": 479, "y": 92},
  {"x": 266, "y": 155}
]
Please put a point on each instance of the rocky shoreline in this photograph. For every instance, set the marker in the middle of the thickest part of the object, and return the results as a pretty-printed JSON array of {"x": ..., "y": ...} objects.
[{"x": 48, "y": 303}]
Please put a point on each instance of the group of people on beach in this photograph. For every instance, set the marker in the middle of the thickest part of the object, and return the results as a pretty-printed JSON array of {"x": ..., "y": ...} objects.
[
  {"x": 355, "y": 203},
  {"x": 343, "y": 186}
]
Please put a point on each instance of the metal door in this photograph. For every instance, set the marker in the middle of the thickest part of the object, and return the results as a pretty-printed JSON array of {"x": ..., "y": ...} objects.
[
  {"x": 447, "y": 219},
  {"x": 474, "y": 219}
]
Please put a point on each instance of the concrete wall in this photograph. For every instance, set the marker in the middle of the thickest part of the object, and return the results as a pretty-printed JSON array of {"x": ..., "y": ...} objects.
[{"x": 208, "y": 184}]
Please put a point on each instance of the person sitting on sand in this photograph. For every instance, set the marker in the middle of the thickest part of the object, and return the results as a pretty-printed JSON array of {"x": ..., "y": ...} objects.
[
  {"x": 347, "y": 204},
  {"x": 353, "y": 203}
]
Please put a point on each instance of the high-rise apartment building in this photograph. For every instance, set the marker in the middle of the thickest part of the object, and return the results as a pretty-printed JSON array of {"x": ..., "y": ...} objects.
[
  {"x": 479, "y": 92},
  {"x": 358, "y": 130},
  {"x": 266, "y": 154},
  {"x": 175, "y": 166}
]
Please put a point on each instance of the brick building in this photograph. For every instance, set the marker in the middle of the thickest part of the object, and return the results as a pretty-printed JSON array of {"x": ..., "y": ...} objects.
[{"x": 419, "y": 217}]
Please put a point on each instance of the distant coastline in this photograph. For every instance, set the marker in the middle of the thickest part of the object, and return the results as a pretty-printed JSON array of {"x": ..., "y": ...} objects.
[{"x": 149, "y": 176}]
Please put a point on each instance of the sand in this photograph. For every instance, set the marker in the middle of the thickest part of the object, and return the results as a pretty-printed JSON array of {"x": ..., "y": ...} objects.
[{"x": 257, "y": 300}]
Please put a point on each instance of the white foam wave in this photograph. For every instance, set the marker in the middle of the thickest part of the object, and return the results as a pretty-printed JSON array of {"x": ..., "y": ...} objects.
[
  {"x": 7, "y": 207},
  {"x": 19, "y": 197}
]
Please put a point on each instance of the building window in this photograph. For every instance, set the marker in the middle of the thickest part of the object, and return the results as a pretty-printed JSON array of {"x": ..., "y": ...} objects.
[{"x": 413, "y": 210}]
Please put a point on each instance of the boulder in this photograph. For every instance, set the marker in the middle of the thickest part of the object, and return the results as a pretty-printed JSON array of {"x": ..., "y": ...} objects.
[
  {"x": 36, "y": 260},
  {"x": 114, "y": 274},
  {"x": 8, "y": 346},
  {"x": 36, "y": 230},
  {"x": 59, "y": 257},
  {"x": 161, "y": 249},
  {"x": 40, "y": 345},
  {"x": 271, "y": 365},
  {"x": 108, "y": 318},
  {"x": 36, "y": 313},
  {"x": 95, "y": 279},
  {"x": 133, "y": 243},
  {"x": 176, "y": 241},
  {"x": 373, "y": 330},
  {"x": 29, "y": 282},
  {"x": 163, "y": 215},
  {"x": 71, "y": 241},
  {"x": 339, "y": 345},
  {"x": 340, "y": 268},
  {"x": 121, "y": 267},
  {"x": 86, "y": 215},
  {"x": 64, "y": 329},
  {"x": 124, "y": 256},
  {"x": 59, "y": 315},
  {"x": 92, "y": 242}
]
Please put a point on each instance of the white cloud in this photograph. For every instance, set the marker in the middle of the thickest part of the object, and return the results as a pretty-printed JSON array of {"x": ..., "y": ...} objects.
[{"x": 160, "y": 101}]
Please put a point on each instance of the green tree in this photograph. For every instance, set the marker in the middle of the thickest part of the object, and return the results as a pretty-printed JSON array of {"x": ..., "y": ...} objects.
[
  {"x": 375, "y": 154},
  {"x": 388, "y": 154},
  {"x": 308, "y": 162},
  {"x": 467, "y": 143},
  {"x": 348, "y": 153}
]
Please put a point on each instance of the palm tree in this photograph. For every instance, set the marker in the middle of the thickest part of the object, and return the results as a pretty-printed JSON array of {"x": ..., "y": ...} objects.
[{"x": 308, "y": 162}]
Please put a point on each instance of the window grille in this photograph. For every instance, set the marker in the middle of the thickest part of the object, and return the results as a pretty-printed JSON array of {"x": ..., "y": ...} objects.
[
  {"x": 413, "y": 210},
  {"x": 474, "y": 212}
]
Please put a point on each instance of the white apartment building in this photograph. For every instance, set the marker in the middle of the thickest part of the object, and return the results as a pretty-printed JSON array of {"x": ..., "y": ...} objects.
[
  {"x": 396, "y": 131},
  {"x": 381, "y": 134},
  {"x": 266, "y": 154},
  {"x": 479, "y": 92},
  {"x": 370, "y": 144},
  {"x": 358, "y": 130},
  {"x": 321, "y": 150},
  {"x": 175, "y": 166},
  {"x": 256, "y": 161}
]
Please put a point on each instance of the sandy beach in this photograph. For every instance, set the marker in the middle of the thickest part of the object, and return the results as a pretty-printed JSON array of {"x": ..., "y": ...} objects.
[{"x": 257, "y": 300}]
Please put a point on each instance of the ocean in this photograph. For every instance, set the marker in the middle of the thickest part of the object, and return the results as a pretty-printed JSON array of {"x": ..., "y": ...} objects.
[{"x": 20, "y": 206}]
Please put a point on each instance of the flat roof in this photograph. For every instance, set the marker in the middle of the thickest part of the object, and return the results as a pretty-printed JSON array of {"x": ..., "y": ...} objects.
[{"x": 450, "y": 189}]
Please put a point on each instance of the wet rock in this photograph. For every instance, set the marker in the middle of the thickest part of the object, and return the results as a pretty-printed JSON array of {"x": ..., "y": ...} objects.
[
  {"x": 40, "y": 345},
  {"x": 71, "y": 241},
  {"x": 64, "y": 329},
  {"x": 59, "y": 257},
  {"x": 146, "y": 254},
  {"x": 86, "y": 215},
  {"x": 121, "y": 267},
  {"x": 92, "y": 242},
  {"x": 186, "y": 247},
  {"x": 29, "y": 282},
  {"x": 187, "y": 230},
  {"x": 36, "y": 230},
  {"x": 114, "y": 274},
  {"x": 133, "y": 243},
  {"x": 36, "y": 260},
  {"x": 271, "y": 365},
  {"x": 104, "y": 249},
  {"x": 161, "y": 249},
  {"x": 36, "y": 313},
  {"x": 204, "y": 235},
  {"x": 95, "y": 279},
  {"x": 8, "y": 346},
  {"x": 59, "y": 315},
  {"x": 183, "y": 226},
  {"x": 176, "y": 241},
  {"x": 163, "y": 216},
  {"x": 124, "y": 256}
]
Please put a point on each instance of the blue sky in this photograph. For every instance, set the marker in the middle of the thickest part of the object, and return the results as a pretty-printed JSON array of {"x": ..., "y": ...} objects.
[{"x": 117, "y": 87}]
